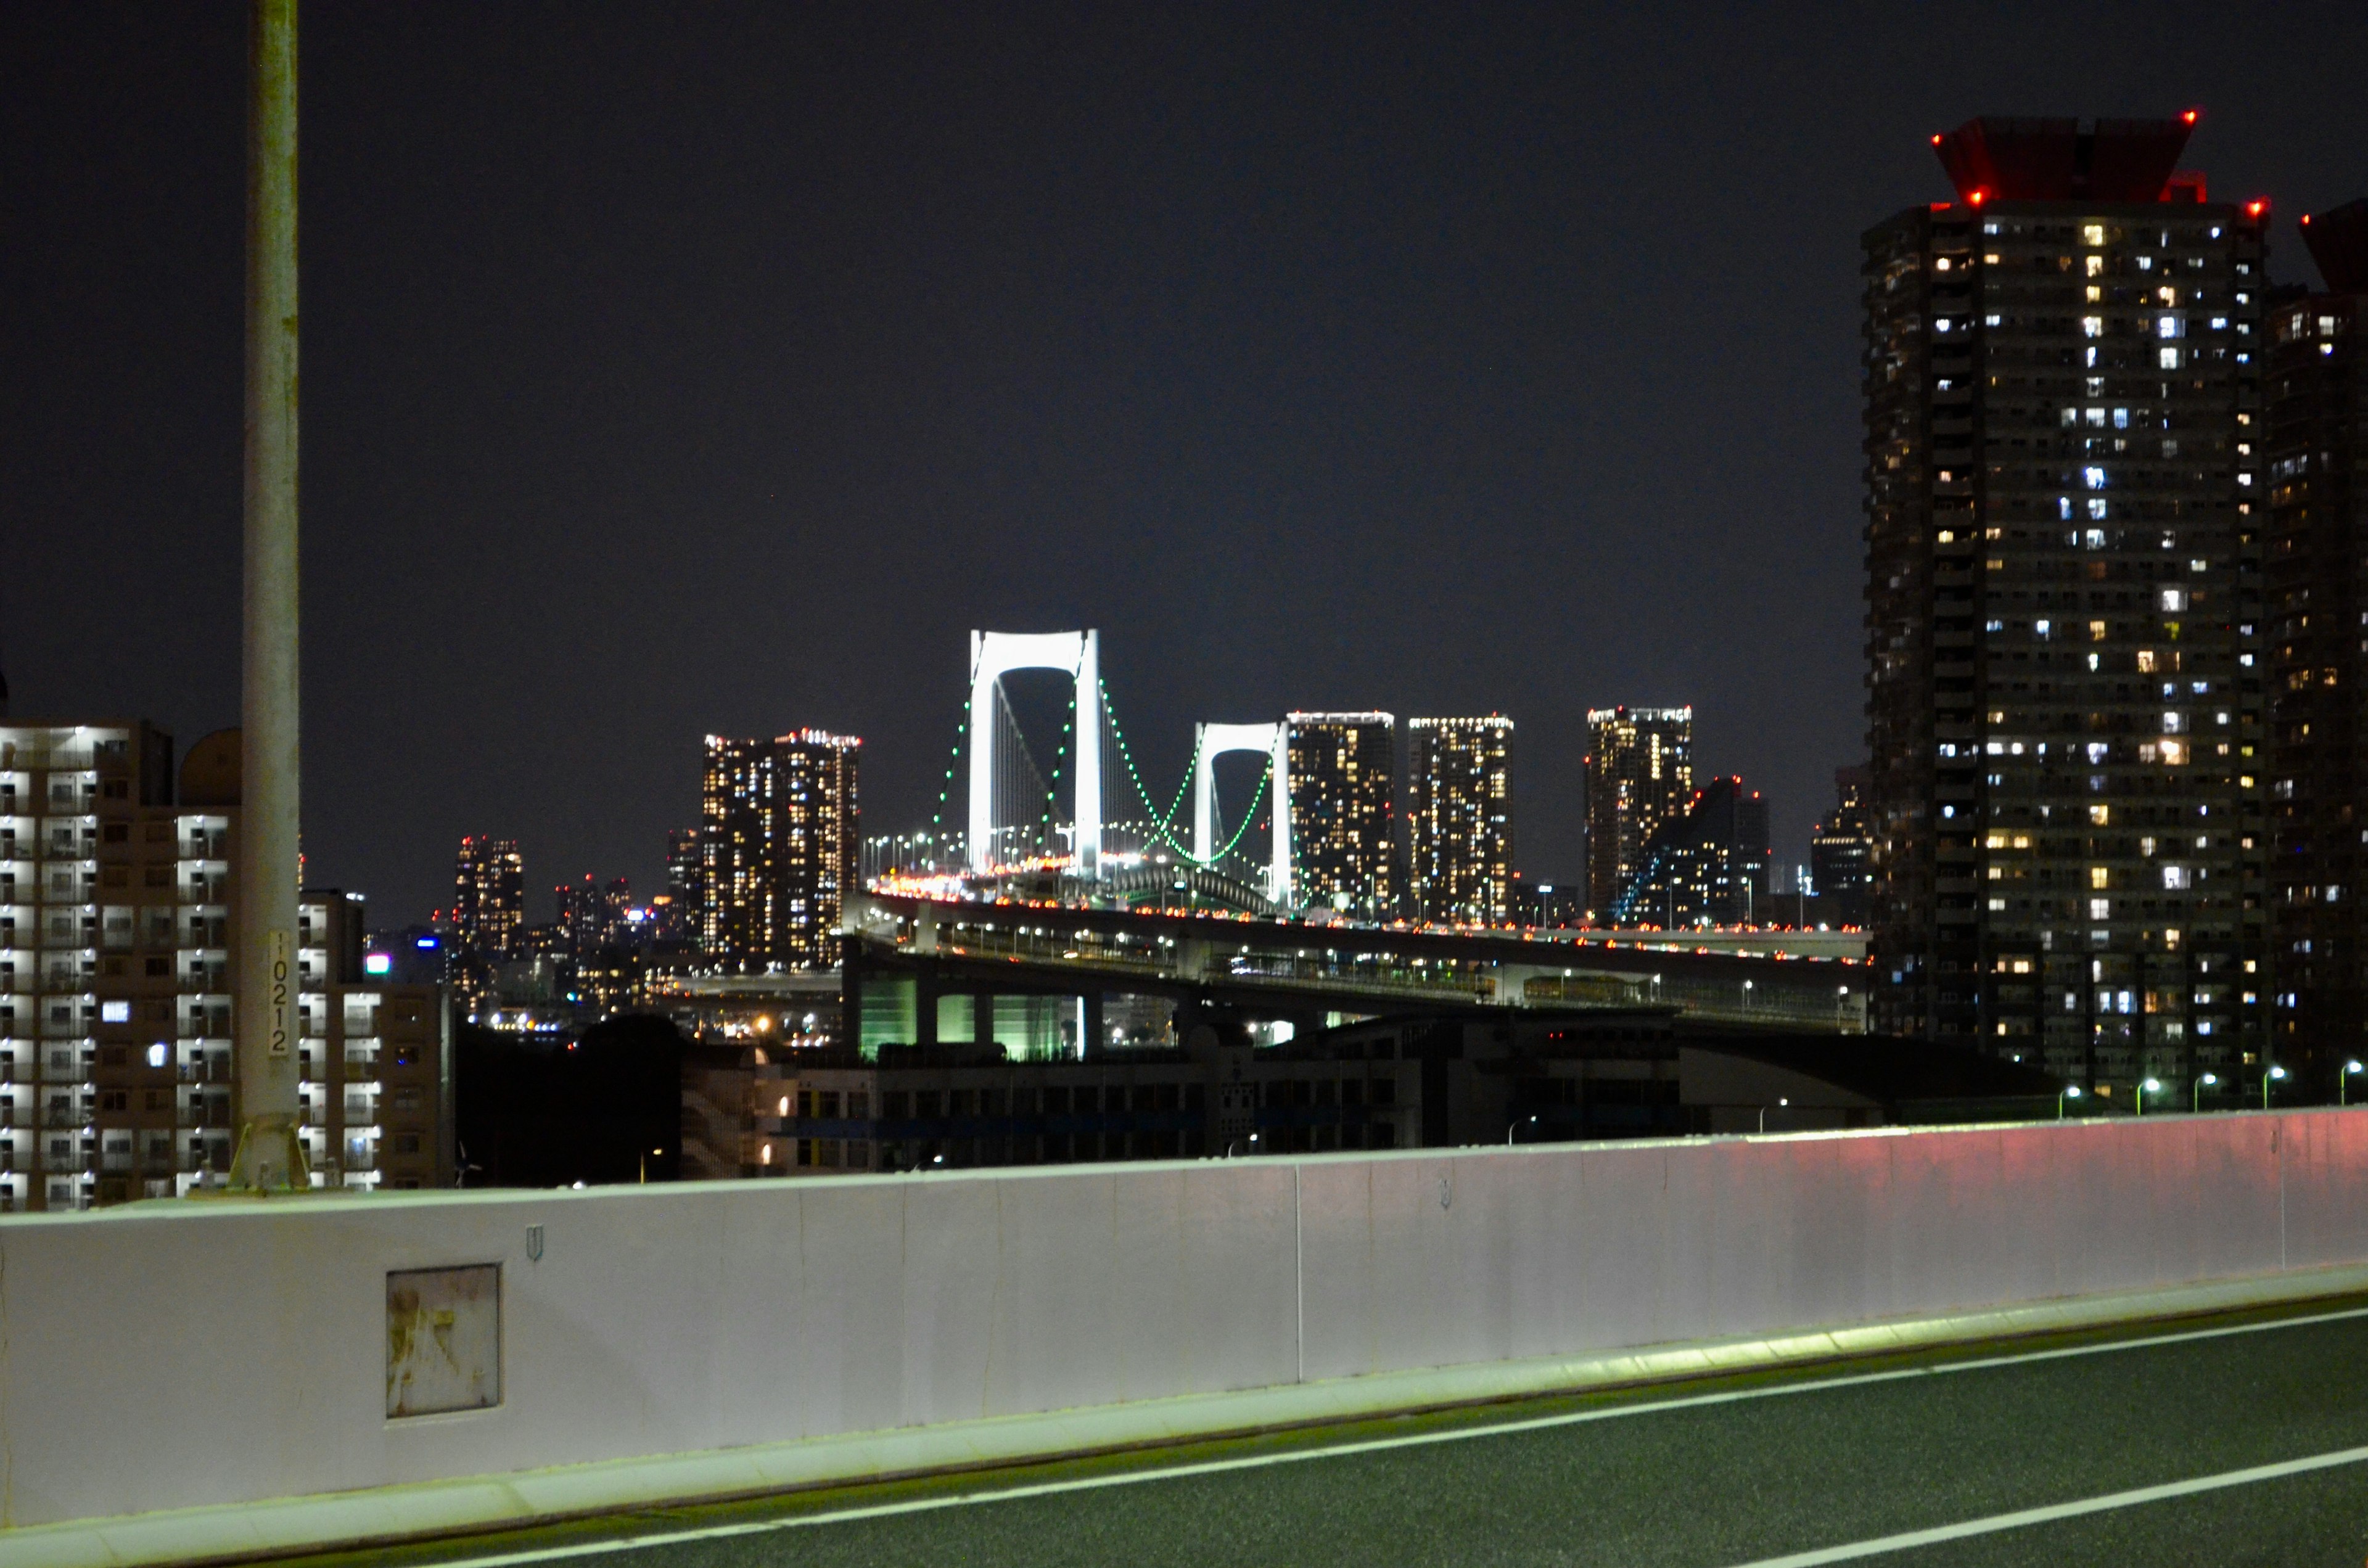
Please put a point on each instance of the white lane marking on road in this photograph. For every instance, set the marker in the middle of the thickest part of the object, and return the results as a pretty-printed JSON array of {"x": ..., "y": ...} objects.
[
  {"x": 1907, "y": 1541},
  {"x": 1379, "y": 1445}
]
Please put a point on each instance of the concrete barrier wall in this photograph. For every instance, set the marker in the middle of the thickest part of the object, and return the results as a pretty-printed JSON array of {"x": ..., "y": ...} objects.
[{"x": 193, "y": 1354}]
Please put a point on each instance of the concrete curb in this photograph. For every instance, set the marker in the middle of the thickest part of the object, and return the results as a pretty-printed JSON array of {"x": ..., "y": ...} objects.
[{"x": 425, "y": 1510}]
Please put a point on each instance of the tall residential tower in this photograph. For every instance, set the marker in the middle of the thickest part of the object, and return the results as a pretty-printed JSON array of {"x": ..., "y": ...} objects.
[
  {"x": 1460, "y": 820},
  {"x": 2064, "y": 532},
  {"x": 1640, "y": 776},
  {"x": 778, "y": 838},
  {"x": 489, "y": 894},
  {"x": 1342, "y": 768}
]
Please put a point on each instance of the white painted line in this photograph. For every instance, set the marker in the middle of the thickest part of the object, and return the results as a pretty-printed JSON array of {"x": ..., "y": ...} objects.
[
  {"x": 1909, "y": 1541},
  {"x": 1500, "y": 1430}
]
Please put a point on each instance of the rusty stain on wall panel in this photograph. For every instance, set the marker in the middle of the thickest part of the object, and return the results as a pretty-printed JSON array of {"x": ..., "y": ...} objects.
[{"x": 443, "y": 1339}]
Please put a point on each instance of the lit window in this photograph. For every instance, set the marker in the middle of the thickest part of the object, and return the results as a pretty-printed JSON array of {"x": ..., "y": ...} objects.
[
  {"x": 2096, "y": 633},
  {"x": 2097, "y": 511},
  {"x": 2099, "y": 877},
  {"x": 2121, "y": 419},
  {"x": 2093, "y": 236},
  {"x": 2039, "y": 628},
  {"x": 2101, "y": 816},
  {"x": 2175, "y": 877},
  {"x": 2170, "y": 358},
  {"x": 2174, "y": 598},
  {"x": 115, "y": 1011},
  {"x": 2099, "y": 908},
  {"x": 2166, "y": 326},
  {"x": 2093, "y": 477},
  {"x": 2093, "y": 326},
  {"x": 2097, "y": 418}
]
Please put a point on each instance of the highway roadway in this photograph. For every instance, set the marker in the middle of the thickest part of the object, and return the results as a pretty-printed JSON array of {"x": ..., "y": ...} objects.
[{"x": 2235, "y": 1441}]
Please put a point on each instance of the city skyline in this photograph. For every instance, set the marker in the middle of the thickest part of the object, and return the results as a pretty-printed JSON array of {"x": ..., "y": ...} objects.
[{"x": 1322, "y": 406}]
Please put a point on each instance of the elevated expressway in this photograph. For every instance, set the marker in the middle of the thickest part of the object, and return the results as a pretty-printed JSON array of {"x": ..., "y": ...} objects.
[{"x": 1283, "y": 967}]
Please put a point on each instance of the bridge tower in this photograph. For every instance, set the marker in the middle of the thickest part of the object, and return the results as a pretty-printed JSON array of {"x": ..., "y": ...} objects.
[
  {"x": 1212, "y": 741},
  {"x": 1076, "y": 653}
]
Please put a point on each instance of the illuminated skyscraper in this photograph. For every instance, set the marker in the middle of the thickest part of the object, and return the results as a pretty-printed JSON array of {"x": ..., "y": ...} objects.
[
  {"x": 2318, "y": 608},
  {"x": 779, "y": 837},
  {"x": 1342, "y": 768},
  {"x": 489, "y": 894},
  {"x": 2063, "y": 536},
  {"x": 1640, "y": 775},
  {"x": 1460, "y": 820}
]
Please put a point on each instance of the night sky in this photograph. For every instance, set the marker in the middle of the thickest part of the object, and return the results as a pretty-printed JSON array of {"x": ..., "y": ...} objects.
[{"x": 674, "y": 368}]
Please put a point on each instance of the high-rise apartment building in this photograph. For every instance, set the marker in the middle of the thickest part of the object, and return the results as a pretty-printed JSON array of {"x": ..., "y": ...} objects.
[
  {"x": 118, "y": 946},
  {"x": 1838, "y": 848},
  {"x": 489, "y": 895},
  {"x": 2065, "y": 465},
  {"x": 1460, "y": 820},
  {"x": 1343, "y": 769},
  {"x": 2317, "y": 393},
  {"x": 1708, "y": 866},
  {"x": 778, "y": 838},
  {"x": 1640, "y": 775}
]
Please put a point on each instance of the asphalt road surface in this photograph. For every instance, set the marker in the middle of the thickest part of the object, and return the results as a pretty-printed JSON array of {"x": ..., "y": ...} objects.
[{"x": 2238, "y": 1440}]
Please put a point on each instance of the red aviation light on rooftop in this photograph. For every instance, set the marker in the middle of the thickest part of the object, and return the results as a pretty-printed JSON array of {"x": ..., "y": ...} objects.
[
  {"x": 2191, "y": 116},
  {"x": 1977, "y": 195},
  {"x": 2255, "y": 207}
]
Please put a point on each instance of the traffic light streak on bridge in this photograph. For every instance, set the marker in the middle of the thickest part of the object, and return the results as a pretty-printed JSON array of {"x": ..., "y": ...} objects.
[{"x": 1281, "y": 967}]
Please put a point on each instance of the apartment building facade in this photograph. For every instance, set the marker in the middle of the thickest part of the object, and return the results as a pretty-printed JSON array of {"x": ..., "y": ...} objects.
[
  {"x": 116, "y": 957},
  {"x": 2064, "y": 524}
]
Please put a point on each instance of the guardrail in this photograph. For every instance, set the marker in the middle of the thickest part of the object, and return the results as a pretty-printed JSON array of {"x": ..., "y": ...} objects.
[{"x": 661, "y": 1320}]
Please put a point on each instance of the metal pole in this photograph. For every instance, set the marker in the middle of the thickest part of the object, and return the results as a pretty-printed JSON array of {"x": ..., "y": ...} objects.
[{"x": 270, "y": 1151}]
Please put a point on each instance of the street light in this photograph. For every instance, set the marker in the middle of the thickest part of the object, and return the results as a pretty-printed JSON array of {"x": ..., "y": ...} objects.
[
  {"x": 2150, "y": 1085},
  {"x": 2343, "y": 1083},
  {"x": 2271, "y": 1076},
  {"x": 1516, "y": 1128},
  {"x": 2208, "y": 1079},
  {"x": 2069, "y": 1092}
]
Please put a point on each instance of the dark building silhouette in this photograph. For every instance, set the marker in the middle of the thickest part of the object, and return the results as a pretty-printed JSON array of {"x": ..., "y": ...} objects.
[
  {"x": 1527, "y": 1074},
  {"x": 2317, "y": 393},
  {"x": 1707, "y": 866},
  {"x": 1838, "y": 853},
  {"x": 2065, "y": 525},
  {"x": 543, "y": 1110}
]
